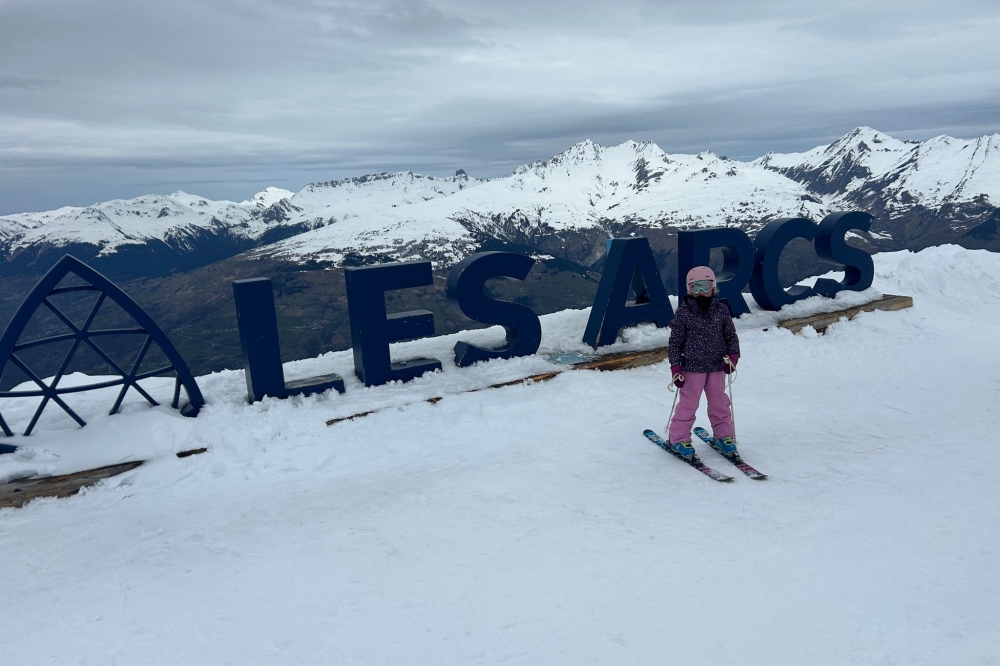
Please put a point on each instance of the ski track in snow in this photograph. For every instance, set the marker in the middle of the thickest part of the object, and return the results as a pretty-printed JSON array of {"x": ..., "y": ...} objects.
[{"x": 534, "y": 524}]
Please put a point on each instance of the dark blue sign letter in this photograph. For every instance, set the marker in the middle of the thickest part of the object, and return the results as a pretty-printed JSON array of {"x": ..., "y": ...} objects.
[
  {"x": 465, "y": 293},
  {"x": 859, "y": 270},
  {"x": 694, "y": 249},
  {"x": 768, "y": 246},
  {"x": 372, "y": 330},
  {"x": 611, "y": 312},
  {"x": 258, "y": 324}
]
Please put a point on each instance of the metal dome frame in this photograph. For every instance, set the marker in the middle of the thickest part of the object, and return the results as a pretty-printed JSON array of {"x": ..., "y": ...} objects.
[{"x": 83, "y": 335}]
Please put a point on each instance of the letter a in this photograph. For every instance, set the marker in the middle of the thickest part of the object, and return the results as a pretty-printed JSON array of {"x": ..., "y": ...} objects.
[{"x": 611, "y": 311}]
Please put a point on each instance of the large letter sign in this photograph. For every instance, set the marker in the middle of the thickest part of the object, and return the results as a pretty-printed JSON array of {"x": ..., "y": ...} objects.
[
  {"x": 831, "y": 244},
  {"x": 768, "y": 246},
  {"x": 372, "y": 330},
  {"x": 694, "y": 249},
  {"x": 466, "y": 282},
  {"x": 258, "y": 324},
  {"x": 611, "y": 311},
  {"x": 630, "y": 292}
]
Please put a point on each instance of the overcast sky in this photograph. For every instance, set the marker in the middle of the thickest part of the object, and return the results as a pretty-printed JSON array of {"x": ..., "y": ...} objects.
[{"x": 117, "y": 98}]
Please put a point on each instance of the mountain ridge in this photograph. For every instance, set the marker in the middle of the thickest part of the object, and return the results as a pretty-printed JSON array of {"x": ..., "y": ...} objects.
[{"x": 564, "y": 205}]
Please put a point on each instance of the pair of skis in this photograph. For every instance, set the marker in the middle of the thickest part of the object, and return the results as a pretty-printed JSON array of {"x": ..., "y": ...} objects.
[{"x": 696, "y": 462}]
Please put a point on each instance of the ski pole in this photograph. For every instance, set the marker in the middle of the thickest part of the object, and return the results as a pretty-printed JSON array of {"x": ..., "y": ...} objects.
[
  {"x": 729, "y": 385},
  {"x": 676, "y": 393}
]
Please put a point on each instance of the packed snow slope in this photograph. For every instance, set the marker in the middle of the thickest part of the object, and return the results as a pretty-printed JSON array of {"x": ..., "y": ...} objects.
[{"x": 534, "y": 524}]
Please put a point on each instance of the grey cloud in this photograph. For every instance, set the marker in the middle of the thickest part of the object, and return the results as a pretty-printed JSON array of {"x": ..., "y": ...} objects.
[
  {"x": 399, "y": 22},
  {"x": 834, "y": 19},
  {"x": 23, "y": 83},
  {"x": 99, "y": 95}
]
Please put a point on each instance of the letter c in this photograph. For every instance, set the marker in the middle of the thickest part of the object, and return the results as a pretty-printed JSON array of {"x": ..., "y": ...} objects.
[{"x": 768, "y": 246}]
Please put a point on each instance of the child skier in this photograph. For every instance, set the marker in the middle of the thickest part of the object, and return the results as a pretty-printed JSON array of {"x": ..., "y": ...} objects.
[{"x": 703, "y": 349}]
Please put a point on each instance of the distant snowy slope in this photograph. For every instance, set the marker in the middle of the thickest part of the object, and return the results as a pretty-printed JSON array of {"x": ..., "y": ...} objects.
[
  {"x": 120, "y": 222},
  {"x": 861, "y": 154},
  {"x": 342, "y": 199},
  {"x": 393, "y": 216},
  {"x": 112, "y": 224},
  {"x": 947, "y": 170},
  {"x": 638, "y": 181},
  {"x": 181, "y": 225},
  {"x": 869, "y": 164}
]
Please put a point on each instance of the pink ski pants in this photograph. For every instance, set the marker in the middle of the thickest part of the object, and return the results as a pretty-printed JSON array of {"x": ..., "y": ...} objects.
[{"x": 714, "y": 386}]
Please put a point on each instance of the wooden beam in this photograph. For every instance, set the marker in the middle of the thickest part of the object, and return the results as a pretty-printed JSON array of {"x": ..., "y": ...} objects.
[
  {"x": 18, "y": 493},
  {"x": 624, "y": 360},
  {"x": 821, "y": 321},
  {"x": 544, "y": 377},
  {"x": 523, "y": 380},
  {"x": 351, "y": 417}
]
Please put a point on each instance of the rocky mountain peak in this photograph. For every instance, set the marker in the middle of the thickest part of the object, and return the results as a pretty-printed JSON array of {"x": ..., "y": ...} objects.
[{"x": 267, "y": 197}]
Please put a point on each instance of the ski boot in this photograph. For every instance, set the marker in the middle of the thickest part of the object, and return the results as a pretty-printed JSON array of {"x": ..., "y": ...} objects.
[
  {"x": 683, "y": 449},
  {"x": 725, "y": 445}
]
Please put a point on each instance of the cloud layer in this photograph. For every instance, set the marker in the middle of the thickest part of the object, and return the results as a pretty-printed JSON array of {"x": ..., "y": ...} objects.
[{"x": 113, "y": 98}]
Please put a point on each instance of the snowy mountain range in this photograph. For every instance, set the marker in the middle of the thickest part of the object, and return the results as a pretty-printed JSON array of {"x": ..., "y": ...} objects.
[
  {"x": 921, "y": 193},
  {"x": 157, "y": 234}
]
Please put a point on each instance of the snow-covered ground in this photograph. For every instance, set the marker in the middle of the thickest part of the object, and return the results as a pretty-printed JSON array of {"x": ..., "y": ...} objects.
[{"x": 534, "y": 524}]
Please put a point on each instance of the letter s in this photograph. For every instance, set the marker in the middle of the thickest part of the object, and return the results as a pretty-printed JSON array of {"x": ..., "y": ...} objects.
[
  {"x": 831, "y": 245},
  {"x": 465, "y": 293}
]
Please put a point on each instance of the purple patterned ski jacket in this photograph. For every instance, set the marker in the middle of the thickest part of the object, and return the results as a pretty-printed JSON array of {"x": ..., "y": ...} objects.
[{"x": 699, "y": 340}]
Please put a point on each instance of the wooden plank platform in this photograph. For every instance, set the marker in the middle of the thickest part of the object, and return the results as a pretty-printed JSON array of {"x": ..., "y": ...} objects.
[
  {"x": 821, "y": 321},
  {"x": 19, "y": 493}
]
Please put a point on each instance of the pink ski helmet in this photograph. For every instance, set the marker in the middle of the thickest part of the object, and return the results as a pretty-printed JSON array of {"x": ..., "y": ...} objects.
[{"x": 700, "y": 274}]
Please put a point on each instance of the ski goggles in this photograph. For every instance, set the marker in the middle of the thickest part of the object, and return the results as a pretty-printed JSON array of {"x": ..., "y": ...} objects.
[{"x": 701, "y": 287}]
